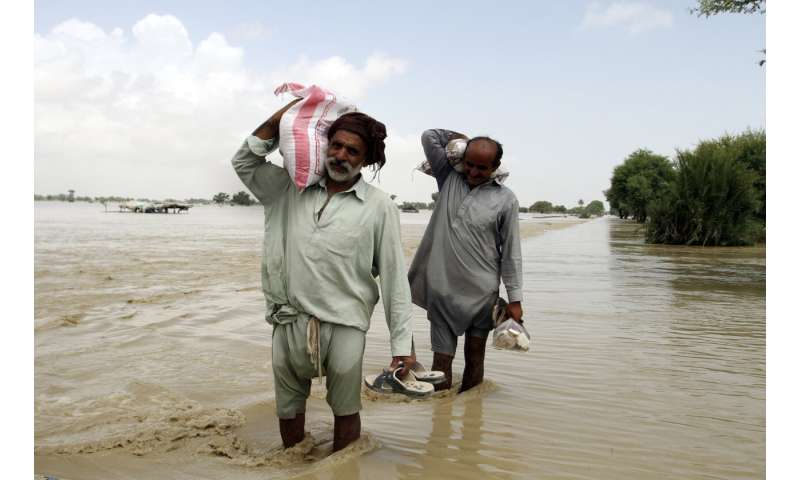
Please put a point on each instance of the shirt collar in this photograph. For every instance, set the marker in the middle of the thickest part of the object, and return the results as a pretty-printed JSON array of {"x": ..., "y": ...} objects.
[{"x": 359, "y": 188}]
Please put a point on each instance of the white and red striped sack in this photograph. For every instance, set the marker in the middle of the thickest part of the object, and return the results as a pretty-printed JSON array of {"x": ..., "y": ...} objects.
[{"x": 304, "y": 131}]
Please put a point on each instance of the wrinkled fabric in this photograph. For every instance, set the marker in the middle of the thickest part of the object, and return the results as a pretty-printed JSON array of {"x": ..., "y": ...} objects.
[
  {"x": 471, "y": 243},
  {"x": 341, "y": 355},
  {"x": 325, "y": 265}
]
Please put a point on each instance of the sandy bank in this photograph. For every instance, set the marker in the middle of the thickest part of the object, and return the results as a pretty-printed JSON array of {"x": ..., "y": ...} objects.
[{"x": 411, "y": 234}]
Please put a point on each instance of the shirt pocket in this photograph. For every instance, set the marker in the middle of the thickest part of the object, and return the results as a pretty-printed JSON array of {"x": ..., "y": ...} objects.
[
  {"x": 482, "y": 218},
  {"x": 341, "y": 243}
]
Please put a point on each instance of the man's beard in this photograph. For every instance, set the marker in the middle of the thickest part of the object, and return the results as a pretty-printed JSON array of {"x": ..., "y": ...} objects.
[{"x": 341, "y": 176}]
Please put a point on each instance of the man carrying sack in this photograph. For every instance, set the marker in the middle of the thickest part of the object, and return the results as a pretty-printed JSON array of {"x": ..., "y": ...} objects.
[
  {"x": 323, "y": 248},
  {"x": 471, "y": 242}
]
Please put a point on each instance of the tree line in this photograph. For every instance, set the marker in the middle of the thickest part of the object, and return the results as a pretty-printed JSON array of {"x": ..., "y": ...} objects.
[
  {"x": 221, "y": 198},
  {"x": 714, "y": 194},
  {"x": 595, "y": 208},
  {"x": 64, "y": 197},
  {"x": 238, "y": 198}
]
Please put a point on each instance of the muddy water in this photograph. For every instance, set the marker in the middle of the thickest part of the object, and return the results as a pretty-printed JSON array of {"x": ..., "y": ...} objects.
[{"x": 152, "y": 361}]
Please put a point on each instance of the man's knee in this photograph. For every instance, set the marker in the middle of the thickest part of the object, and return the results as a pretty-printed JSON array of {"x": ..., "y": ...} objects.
[
  {"x": 344, "y": 391},
  {"x": 291, "y": 391},
  {"x": 442, "y": 338},
  {"x": 343, "y": 370}
]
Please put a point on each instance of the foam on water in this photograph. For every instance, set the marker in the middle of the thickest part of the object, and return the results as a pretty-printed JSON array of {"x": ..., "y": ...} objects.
[{"x": 152, "y": 359}]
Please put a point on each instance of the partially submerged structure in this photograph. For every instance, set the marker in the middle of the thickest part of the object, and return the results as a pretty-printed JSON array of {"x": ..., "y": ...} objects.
[{"x": 154, "y": 207}]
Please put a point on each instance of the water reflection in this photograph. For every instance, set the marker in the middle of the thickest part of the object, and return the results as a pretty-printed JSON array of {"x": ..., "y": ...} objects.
[
  {"x": 648, "y": 360},
  {"x": 458, "y": 446},
  {"x": 703, "y": 273},
  {"x": 661, "y": 348}
]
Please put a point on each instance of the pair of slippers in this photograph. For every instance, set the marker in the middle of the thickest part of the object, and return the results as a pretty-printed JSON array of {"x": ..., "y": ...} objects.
[{"x": 417, "y": 384}]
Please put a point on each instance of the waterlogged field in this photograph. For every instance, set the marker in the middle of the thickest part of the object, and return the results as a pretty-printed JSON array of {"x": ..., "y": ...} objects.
[{"x": 152, "y": 360}]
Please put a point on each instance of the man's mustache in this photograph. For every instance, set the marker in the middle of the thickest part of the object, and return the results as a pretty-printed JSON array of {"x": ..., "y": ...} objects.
[{"x": 341, "y": 164}]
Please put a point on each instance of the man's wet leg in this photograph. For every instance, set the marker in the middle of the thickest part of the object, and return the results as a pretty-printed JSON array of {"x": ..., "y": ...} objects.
[
  {"x": 346, "y": 430},
  {"x": 443, "y": 363},
  {"x": 474, "y": 354},
  {"x": 292, "y": 430}
]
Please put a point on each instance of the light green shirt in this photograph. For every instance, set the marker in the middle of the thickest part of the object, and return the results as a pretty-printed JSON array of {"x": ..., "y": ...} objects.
[{"x": 326, "y": 265}]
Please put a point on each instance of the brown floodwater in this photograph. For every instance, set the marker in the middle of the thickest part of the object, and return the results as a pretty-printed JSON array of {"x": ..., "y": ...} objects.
[{"x": 152, "y": 360}]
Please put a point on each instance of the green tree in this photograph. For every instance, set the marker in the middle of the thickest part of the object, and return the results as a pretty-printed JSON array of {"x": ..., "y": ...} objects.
[
  {"x": 750, "y": 149},
  {"x": 221, "y": 198},
  {"x": 560, "y": 209},
  {"x": 714, "y": 7},
  {"x": 595, "y": 208},
  {"x": 541, "y": 207},
  {"x": 712, "y": 201},
  {"x": 641, "y": 179},
  {"x": 580, "y": 202},
  {"x": 242, "y": 198}
]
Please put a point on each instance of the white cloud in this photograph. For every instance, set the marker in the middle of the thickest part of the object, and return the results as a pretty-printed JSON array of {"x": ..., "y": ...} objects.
[
  {"x": 250, "y": 31},
  {"x": 148, "y": 113},
  {"x": 84, "y": 31},
  {"x": 340, "y": 76},
  {"x": 632, "y": 16},
  {"x": 163, "y": 36}
]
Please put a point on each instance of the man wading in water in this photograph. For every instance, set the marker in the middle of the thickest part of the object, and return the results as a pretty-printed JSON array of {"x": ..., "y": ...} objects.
[
  {"x": 471, "y": 242},
  {"x": 323, "y": 249}
]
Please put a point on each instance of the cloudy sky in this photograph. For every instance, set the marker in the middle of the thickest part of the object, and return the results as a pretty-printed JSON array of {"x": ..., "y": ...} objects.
[{"x": 152, "y": 99}]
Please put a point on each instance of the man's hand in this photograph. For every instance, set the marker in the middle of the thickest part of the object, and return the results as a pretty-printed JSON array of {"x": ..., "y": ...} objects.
[
  {"x": 408, "y": 362},
  {"x": 454, "y": 135},
  {"x": 514, "y": 310},
  {"x": 269, "y": 129}
]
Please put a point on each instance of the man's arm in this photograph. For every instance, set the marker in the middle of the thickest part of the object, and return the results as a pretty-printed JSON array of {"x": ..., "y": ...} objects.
[
  {"x": 389, "y": 262},
  {"x": 434, "y": 143},
  {"x": 511, "y": 260},
  {"x": 269, "y": 129},
  {"x": 265, "y": 180}
]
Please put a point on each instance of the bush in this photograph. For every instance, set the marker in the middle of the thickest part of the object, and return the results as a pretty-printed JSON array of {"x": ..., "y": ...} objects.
[
  {"x": 595, "y": 208},
  {"x": 750, "y": 149},
  {"x": 712, "y": 200},
  {"x": 541, "y": 206},
  {"x": 242, "y": 198},
  {"x": 641, "y": 179}
]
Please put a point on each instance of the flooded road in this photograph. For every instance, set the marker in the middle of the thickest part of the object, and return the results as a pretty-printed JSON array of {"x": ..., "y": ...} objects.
[{"x": 152, "y": 361}]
